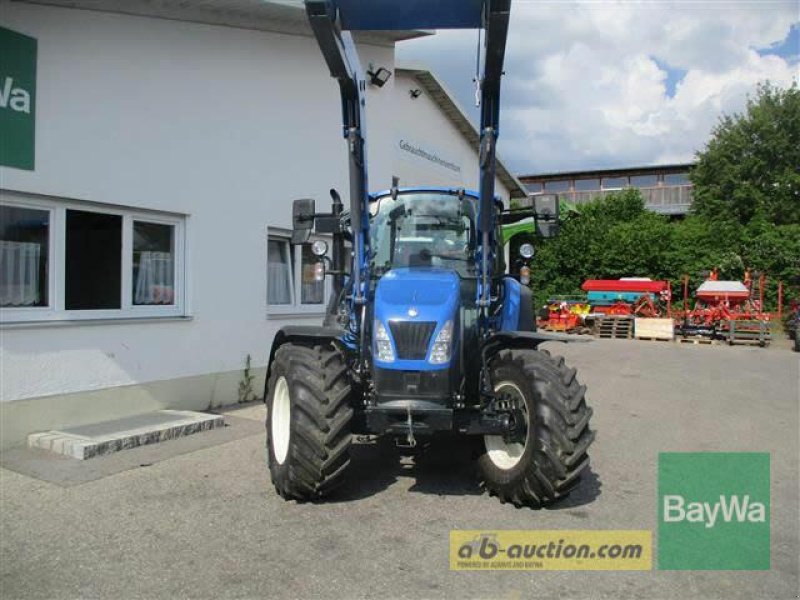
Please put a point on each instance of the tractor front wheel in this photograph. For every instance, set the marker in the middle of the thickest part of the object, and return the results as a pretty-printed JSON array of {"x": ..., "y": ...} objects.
[
  {"x": 544, "y": 462},
  {"x": 308, "y": 420}
]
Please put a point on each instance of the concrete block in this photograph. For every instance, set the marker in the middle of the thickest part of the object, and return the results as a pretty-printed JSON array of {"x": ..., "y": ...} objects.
[{"x": 97, "y": 439}]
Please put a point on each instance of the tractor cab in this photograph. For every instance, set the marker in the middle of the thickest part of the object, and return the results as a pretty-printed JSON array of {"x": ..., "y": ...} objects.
[{"x": 423, "y": 229}]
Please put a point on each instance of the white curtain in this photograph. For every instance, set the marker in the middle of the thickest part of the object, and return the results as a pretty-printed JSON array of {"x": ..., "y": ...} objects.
[
  {"x": 155, "y": 280},
  {"x": 19, "y": 273},
  {"x": 279, "y": 274}
]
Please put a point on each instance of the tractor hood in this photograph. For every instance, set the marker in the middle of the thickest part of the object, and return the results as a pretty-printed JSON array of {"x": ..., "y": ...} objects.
[
  {"x": 422, "y": 300},
  {"x": 432, "y": 293}
]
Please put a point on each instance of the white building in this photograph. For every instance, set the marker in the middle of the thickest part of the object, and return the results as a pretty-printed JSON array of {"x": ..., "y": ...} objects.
[{"x": 144, "y": 251}]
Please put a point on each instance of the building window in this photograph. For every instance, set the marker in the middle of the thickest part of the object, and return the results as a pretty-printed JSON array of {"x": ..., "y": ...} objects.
[
  {"x": 556, "y": 186},
  {"x": 93, "y": 261},
  {"x": 643, "y": 181},
  {"x": 279, "y": 272},
  {"x": 62, "y": 260},
  {"x": 291, "y": 281},
  {"x": 587, "y": 185},
  {"x": 24, "y": 256},
  {"x": 153, "y": 263},
  {"x": 676, "y": 179},
  {"x": 614, "y": 183}
]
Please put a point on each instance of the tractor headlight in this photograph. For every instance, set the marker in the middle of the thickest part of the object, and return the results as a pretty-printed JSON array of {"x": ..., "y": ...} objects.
[
  {"x": 383, "y": 345},
  {"x": 440, "y": 353}
]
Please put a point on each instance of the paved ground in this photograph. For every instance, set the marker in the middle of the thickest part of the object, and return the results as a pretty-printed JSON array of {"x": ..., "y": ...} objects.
[{"x": 207, "y": 524}]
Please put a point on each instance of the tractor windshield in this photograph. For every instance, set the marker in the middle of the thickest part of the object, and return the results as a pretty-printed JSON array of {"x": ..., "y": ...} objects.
[{"x": 423, "y": 229}]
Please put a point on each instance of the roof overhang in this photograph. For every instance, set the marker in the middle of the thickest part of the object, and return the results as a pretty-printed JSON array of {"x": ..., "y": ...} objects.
[
  {"x": 437, "y": 92},
  {"x": 665, "y": 169},
  {"x": 278, "y": 16}
]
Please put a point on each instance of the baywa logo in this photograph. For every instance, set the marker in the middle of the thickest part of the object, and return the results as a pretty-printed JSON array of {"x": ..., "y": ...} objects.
[
  {"x": 13, "y": 97},
  {"x": 17, "y": 99},
  {"x": 729, "y": 508},
  {"x": 714, "y": 511}
]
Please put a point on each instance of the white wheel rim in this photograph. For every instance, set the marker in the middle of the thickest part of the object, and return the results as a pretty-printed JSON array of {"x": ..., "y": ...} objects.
[
  {"x": 505, "y": 455},
  {"x": 281, "y": 418}
]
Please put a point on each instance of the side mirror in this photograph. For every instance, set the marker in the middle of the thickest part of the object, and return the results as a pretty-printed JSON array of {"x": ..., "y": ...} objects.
[
  {"x": 303, "y": 211},
  {"x": 546, "y": 206}
]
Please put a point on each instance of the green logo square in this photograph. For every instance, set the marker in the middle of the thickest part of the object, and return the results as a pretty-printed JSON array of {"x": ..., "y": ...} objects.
[
  {"x": 17, "y": 99},
  {"x": 713, "y": 510}
]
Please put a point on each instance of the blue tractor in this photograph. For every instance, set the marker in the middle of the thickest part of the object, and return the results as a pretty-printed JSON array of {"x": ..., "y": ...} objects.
[{"x": 424, "y": 333}]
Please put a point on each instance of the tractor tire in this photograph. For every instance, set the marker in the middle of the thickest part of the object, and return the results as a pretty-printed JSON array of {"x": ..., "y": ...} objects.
[
  {"x": 548, "y": 465},
  {"x": 309, "y": 417}
]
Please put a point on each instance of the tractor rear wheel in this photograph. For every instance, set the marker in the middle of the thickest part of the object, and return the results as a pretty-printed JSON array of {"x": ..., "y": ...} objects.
[
  {"x": 308, "y": 420},
  {"x": 545, "y": 462}
]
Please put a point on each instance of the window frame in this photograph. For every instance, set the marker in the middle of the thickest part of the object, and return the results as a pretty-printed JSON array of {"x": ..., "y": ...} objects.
[
  {"x": 56, "y": 309},
  {"x": 295, "y": 306},
  {"x": 40, "y": 312},
  {"x": 682, "y": 179},
  {"x": 179, "y": 291},
  {"x": 606, "y": 187},
  {"x": 557, "y": 186}
]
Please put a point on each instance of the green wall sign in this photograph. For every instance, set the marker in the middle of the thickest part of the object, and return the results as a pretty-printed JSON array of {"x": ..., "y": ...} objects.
[{"x": 17, "y": 99}]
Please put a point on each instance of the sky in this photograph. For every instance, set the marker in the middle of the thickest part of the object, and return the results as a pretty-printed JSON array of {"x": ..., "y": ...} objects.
[{"x": 605, "y": 84}]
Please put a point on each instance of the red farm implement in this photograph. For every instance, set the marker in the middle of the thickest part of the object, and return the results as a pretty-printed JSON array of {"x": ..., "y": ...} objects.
[
  {"x": 728, "y": 310},
  {"x": 629, "y": 297},
  {"x": 565, "y": 314}
]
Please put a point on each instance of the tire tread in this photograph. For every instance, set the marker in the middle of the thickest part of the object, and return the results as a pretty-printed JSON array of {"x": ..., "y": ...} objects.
[
  {"x": 561, "y": 418},
  {"x": 320, "y": 438}
]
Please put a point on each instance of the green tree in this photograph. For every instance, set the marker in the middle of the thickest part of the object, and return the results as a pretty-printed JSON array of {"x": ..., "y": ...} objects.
[
  {"x": 614, "y": 236},
  {"x": 746, "y": 215},
  {"x": 750, "y": 167}
]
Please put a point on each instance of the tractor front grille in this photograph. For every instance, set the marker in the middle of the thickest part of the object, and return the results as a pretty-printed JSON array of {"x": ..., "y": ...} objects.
[{"x": 411, "y": 338}]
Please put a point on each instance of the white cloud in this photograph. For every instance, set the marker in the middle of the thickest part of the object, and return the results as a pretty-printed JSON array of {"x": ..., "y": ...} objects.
[{"x": 586, "y": 82}]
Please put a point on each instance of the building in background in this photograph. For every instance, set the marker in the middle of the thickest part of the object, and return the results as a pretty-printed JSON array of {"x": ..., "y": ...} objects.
[
  {"x": 421, "y": 94},
  {"x": 145, "y": 204},
  {"x": 666, "y": 188}
]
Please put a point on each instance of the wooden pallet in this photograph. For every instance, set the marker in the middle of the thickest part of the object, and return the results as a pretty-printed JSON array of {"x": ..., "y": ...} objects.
[
  {"x": 752, "y": 333},
  {"x": 699, "y": 340},
  {"x": 618, "y": 328},
  {"x": 654, "y": 339}
]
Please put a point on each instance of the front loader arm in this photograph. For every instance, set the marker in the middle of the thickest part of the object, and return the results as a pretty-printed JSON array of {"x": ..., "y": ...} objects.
[
  {"x": 496, "y": 24},
  {"x": 331, "y": 22},
  {"x": 340, "y": 54}
]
